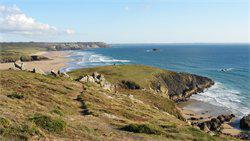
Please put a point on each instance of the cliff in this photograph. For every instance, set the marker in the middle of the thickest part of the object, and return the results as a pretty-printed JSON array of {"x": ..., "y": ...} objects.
[{"x": 175, "y": 86}]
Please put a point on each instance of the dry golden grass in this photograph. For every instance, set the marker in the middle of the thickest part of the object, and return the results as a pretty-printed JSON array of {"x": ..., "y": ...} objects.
[{"x": 55, "y": 108}]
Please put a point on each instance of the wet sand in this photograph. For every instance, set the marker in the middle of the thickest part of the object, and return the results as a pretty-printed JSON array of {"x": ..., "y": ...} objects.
[{"x": 57, "y": 61}]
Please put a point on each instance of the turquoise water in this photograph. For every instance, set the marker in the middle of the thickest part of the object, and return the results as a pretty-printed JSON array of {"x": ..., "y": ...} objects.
[{"x": 232, "y": 87}]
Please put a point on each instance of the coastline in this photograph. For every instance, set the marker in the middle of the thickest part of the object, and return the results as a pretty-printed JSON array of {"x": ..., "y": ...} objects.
[
  {"x": 57, "y": 61},
  {"x": 198, "y": 111}
]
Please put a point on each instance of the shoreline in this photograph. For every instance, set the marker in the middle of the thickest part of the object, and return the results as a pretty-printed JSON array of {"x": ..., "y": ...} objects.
[
  {"x": 58, "y": 60},
  {"x": 198, "y": 111}
]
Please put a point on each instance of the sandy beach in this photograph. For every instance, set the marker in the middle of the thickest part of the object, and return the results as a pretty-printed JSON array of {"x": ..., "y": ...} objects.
[
  {"x": 198, "y": 111},
  {"x": 57, "y": 61}
]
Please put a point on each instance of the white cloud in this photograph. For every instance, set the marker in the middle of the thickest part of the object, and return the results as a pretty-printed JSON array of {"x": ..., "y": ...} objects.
[
  {"x": 70, "y": 31},
  {"x": 14, "y": 21}
]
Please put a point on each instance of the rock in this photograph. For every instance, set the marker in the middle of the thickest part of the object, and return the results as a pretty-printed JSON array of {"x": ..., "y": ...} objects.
[
  {"x": 221, "y": 118},
  {"x": 84, "y": 79},
  {"x": 215, "y": 124},
  {"x": 91, "y": 79},
  {"x": 229, "y": 117},
  {"x": 106, "y": 86},
  {"x": 97, "y": 79},
  {"x": 64, "y": 74},
  {"x": 204, "y": 126},
  {"x": 193, "y": 118},
  {"x": 37, "y": 70},
  {"x": 96, "y": 75},
  {"x": 19, "y": 65},
  {"x": 87, "y": 78},
  {"x": 54, "y": 73},
  {"x": 245, "y": 122}
]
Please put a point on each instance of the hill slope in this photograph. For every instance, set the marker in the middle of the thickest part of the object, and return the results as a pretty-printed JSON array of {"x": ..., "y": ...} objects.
[{"x": 42, "y": 107}]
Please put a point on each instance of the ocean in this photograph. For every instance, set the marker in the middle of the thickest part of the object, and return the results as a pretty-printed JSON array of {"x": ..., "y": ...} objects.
[{"x": 227, "y": 64}]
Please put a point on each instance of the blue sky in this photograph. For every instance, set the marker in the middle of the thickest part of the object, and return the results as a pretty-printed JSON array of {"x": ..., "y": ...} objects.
[{"x": 126, "y": 21}]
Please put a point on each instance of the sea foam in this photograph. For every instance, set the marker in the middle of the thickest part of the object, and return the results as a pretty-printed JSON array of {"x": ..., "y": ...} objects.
[
  {"x": 220, "y": 95},
  {"x": 83, "y": 59}
]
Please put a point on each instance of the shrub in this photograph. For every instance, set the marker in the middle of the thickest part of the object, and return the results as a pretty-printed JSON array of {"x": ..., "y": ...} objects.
[
  {"x": 142, "y": 128},
  {"x": 15, "y": 96},
  {"x": 25, "y": 58},
  {"x": 130, "y": 85},
  {"x": 4, "y": 122},
  {"x": 49, "y": 124}
]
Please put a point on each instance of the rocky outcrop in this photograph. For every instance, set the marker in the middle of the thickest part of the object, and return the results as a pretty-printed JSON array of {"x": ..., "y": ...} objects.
[
  {"x": 215, "y": 123},
  {"x": 59, "y": 74},
  {"x": 54, "y": 73},
  {"x": 180, "y": 86},
  {"x": 245, "y": 122},
  {"x": 97, "y": 79}
]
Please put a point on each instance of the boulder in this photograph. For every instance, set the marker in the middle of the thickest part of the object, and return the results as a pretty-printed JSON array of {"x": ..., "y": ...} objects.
[
  {"x": 87, "y": 78},
  {"x": 106, "y": 86},
  {"x": 19, "y": 65},
  {"x": 204, "y": 126},
  {"x": 37, "y": 70},
  {"x": 54, "y": 73},
  {"x": 97, "y": 79},
  {"x": 225, "y": 118},
  {"x": 245, "y": 122},
  {"x": 91, "y": 79},
  {"x": 83, "y": 79},
  {"x": 215, "y": 124},
  {"x": 96, "y": 75},
  {"x": 221, "y": 118}
]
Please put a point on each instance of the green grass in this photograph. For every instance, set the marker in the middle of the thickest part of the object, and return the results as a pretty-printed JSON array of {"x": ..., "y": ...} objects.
[
  {"x": 15, "y": 95},
  {"x": 49, "y": 124},
  {"x": 141, "y": 75},
  {"x": 143, "y": 128},
  {"x": 11, "y": 52}
]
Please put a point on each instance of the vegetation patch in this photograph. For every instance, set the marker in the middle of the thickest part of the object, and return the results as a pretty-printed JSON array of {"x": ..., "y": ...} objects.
[
  {"x": 57, "y": 111},
  {"x": 19, "y": 132},
  {"x": 4, "y": 122},
  {"x": 15, "y": 96},
  {"x": 143, "y": 128},
  {"x": 49, "y": 124},
  {"x": 130, "y": 85}
]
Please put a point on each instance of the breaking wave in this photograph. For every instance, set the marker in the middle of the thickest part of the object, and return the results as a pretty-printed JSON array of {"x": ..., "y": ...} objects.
[
  {"x": 85, "y": 59},
  {"x": 220, "y": 95}
]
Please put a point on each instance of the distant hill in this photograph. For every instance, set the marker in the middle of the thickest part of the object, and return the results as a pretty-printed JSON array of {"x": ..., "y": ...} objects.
[{"x": 13, "y": 51}]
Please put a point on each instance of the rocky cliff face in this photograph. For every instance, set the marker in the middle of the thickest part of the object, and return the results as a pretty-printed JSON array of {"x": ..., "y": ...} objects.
[
  {"x": 180, "y": 86},
  {"x": 75, "y": 45}
]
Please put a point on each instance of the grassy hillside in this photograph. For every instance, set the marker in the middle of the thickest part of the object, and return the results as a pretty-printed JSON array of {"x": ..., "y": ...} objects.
[
  {"x": 10, "y": 52},
  {"x": 41, "y": 107}
]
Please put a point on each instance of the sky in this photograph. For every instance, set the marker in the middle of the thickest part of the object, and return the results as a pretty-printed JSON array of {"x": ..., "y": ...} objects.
[{"x": 125, "y": 21}]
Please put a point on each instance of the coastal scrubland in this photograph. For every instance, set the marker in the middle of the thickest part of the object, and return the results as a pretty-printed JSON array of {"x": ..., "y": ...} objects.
[{"x": 40, "y": 107}]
